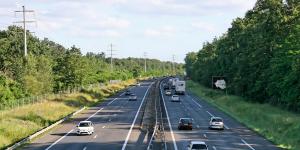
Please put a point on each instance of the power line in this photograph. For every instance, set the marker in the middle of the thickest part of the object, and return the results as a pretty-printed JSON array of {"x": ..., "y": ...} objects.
[{"x": 24, "y": 11}]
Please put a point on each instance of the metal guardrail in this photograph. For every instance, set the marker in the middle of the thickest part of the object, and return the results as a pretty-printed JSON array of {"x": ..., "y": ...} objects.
[{"x": 159, "y": 126}]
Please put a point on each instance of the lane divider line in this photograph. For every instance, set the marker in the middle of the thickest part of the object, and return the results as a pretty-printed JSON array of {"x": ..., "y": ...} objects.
[
  {"x": 59, "y": 139},
  {"x": 84, "y": 148},
  {"x": 171, "y": 130},
  {"x": 136, "y": 115},
  {"x": 247, "y": 144},
  {"x": 210, "y": 114},
  {"x": 214, "y": 148},
  {"x": 196, "y": 103},
  {"x": 95, "y": 136},
  {"x": 112, "y": 101},
  {"x": 94, "y": 114}
]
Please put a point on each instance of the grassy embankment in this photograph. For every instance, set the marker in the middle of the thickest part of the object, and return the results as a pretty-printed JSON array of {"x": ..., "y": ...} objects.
[
  {"x": 20, "y": 122},
  {"x": 277, "y": 125}
]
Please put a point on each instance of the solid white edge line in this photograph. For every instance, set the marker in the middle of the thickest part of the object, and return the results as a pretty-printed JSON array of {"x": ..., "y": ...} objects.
[
  {"x": 171, "y": 130},
  {"x": 59, "y": 139},
  {"x": 247, "y": 144},
  {"x": 136, "y": 115}
]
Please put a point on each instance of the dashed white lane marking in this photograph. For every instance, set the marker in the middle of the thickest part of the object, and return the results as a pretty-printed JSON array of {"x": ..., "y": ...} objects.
[
  {"x": 103, "y": 127},
  {"x": 95, "y": 136},
  {"x": 200, "y": 106},
  {"x": 198, "y": 126},
  {"x": 84, "y": 148},
  {"x": 93, "y": 114},
  {"x": 136, "y": 115},
  {"x": 205, "y": 135},
  {"x": 112, "y": 101},
  {"x": 109, "y": 120},
  {"x": 247, "y": 144},
  {"x": 214, "y": 148},
  {"x": 210, "y": 114},
  {"x": 226, "y": 127},
  {"x": 59, "y": 140}
]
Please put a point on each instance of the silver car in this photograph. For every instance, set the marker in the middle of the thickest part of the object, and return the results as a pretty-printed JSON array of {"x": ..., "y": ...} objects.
[{"x": 216, "y": 123}]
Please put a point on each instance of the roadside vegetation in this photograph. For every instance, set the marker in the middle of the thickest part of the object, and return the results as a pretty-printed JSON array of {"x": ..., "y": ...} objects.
[
  {"x": 259, "y": 55},
  {"x": 18, "y": 123},
  {"x": 53, "y": 68},
  {"x": 279, "y": 126}
]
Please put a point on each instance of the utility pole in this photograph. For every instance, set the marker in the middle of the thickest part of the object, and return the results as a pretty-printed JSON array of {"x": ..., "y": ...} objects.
[
  {"x": 145, "y": 59},
  {"x": 24, "y": 11},
  {"x": 111, "y": 56},
  {"x": 173, "y": 65}
]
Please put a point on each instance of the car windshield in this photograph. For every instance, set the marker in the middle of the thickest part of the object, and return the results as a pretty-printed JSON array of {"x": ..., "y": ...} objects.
[
  {"x": 186, "y": 121},
  {"x": 84, "y": 124},
  {"x": 199, "y": 147},
  {"x": 217, "y": 120}
]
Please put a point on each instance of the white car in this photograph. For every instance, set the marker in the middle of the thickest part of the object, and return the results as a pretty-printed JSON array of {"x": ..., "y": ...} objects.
[
  {"x": 175, "y": 98},
  {"x": 197, "y": 145},
  {"x": 85, "y": 127},
  {"x": 132, "y": 97},
  {"x": 168, "y": 92},
  {"x": 216, "y": 123}
]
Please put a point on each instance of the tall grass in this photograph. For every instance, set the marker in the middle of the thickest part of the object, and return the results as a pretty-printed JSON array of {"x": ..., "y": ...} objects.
[
  {"x": 277, "y": 125},
  {"x": 19, "y": 123}
]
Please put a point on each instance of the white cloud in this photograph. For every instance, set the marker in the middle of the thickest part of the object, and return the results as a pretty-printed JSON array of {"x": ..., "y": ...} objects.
[
  {"x": 204, "y": 26},
  {"x": 110, "y": 22},
  {"x": 163, "y": 31}
]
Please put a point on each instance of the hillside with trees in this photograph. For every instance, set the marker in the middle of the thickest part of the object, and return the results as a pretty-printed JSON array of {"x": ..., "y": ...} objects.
[
  {"x": 50, "y": 67},
  {"x": 259, "y": 55}
]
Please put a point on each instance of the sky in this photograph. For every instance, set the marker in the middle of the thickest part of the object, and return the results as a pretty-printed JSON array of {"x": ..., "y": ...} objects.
[{"x": 161, "y": 28}]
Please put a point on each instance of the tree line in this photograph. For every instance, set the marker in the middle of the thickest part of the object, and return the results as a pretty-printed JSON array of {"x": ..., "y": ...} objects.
[
  {"x": 50, "y": 67},
  {"x": 259, "y": 55}
]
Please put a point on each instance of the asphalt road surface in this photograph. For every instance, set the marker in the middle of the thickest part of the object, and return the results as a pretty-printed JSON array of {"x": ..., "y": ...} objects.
[
  {"x": 235, "y": 136},
  {"x": 114, "y": 121},
  {"x": 117, "y": 123}
]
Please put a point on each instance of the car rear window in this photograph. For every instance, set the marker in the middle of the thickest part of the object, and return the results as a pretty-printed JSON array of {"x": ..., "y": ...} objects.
[
  {"x": 217, "y": 120},
  {"x": 186, "y": 121},
  {"x": 85, "y": 124},
  {"x": 199, "y": 146}
]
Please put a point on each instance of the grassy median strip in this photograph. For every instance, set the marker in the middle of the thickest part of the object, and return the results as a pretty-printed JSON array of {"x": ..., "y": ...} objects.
[
  {"x": 18, "y": 123},
  {"x": 277, "y": 125}
]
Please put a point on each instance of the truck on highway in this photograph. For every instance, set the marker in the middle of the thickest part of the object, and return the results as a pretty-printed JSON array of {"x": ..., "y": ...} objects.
[
  {"x": 180, "y": 87},
  {"x": 174, "y": 80}
]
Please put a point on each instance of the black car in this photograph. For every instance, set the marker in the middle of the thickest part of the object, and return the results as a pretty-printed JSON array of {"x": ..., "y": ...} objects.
[
  {"x": 185, "y": 123},
  {"x": 166, "y": 87},
  {"x": 128, "y": 92}
]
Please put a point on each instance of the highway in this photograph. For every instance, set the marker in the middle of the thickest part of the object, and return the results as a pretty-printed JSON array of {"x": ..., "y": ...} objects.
[
  {"x": 117, "y": 126},
  {"x": 115, "y": 121},
  {"x": 235, "y": 136}
]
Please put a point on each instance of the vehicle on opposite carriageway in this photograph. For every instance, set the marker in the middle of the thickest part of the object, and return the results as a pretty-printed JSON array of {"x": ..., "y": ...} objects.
[{"x": 85, "y": 127}]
